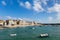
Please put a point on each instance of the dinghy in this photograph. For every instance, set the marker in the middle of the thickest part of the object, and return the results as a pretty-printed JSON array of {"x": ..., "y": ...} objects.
[
  {"x": 12, "y": 34},
  {"x": 43, "y": 35}
]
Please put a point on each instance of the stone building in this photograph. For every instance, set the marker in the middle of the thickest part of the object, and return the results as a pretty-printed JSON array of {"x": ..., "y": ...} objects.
[
  {"x": 1, "y": 22},
  {"x": 9, "y": 22}
]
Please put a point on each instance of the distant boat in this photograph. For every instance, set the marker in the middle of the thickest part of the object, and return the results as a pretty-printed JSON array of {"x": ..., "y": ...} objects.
[
  {"x": 12, "y": 34},
  {"x": 43, "y": 35},
  {"x": 33, "y": 28}
]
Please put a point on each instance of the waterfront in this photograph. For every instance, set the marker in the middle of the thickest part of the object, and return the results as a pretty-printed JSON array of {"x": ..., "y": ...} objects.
[{"x": 28, "y": 33}]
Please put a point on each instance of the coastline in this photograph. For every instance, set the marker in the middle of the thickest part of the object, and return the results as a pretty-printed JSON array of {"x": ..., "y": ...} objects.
[
  {"x": 16, "y": 23},
  {"x": 2, "y": 27}
]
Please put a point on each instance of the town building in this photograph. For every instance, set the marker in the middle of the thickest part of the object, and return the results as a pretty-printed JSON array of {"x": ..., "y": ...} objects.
[{"x": 1, "y": 22}]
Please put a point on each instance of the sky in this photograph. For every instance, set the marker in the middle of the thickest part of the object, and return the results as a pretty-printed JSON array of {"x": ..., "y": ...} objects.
[{"x": 42, "y": 11}]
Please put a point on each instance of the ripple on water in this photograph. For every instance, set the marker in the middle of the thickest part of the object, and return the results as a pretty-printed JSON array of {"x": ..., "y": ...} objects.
[{"x": 27, "y": 33}]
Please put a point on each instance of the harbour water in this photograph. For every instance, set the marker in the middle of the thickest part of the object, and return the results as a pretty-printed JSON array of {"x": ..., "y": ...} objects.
[{"x": 30, "y": 33}]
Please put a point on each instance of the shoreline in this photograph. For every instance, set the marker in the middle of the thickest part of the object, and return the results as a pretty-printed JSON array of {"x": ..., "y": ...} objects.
[
  {"x": 2, "y": 27},
  {"x": 15, "y": 26}
]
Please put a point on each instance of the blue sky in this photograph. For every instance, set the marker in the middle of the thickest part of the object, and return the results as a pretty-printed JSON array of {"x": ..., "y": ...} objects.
[{"x": 43, "y": 11}]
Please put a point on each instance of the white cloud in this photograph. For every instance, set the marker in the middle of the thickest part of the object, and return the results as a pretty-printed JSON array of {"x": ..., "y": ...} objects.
[
  {"x": 14, "y": 18},
  {"x": 50, "y": 19},
  {"x": 44, "y": 1},
  {"x": 37, "y": 6},
  {"x": 8, "y": 17},
  {"x": 0, "y": 17},
  {"x": 56, "y": 1},
  {"x": 26, "y": 4},
  {"x": 39, "y": 20},
  {"x": 21, "y": 4},
  {"x": 27, "y": 19},
  {"x": 55, "y": 8},
  {"x": 20, "y": 18},
  {"x": 58, "y": 16},
  {"x": 3, "y": 3}
]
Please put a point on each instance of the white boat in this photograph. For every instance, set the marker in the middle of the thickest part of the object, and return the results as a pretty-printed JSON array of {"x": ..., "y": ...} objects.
[
  {"x": 44, "y": 35},
  {"x": 33, "y": 28},
  {"x": 12, "y": 34}
]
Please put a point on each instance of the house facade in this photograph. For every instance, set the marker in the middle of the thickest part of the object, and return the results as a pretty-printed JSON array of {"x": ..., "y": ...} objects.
[{"x": 1, "y": 22}]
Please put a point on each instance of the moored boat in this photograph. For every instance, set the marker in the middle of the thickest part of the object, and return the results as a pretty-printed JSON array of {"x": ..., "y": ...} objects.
[
  {"x": 43, "y": 35},
  {"x": 12, "y": 34}
]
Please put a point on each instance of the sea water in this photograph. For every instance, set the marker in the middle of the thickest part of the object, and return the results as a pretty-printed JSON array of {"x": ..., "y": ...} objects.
[{"x": 30, "y": 33}]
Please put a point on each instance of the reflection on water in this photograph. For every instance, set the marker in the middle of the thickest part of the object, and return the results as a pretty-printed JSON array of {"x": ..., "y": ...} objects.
[{"x": 30, "y": 33}]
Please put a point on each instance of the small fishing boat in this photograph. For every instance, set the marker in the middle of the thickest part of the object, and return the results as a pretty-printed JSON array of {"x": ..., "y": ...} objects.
[
  {"x": 33, "y": 28},
  {"x": 12, "y": 34},
  {"x": 44, "y": 35}
]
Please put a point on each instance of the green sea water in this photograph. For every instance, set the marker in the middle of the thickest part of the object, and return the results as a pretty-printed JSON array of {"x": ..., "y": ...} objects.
[{"x": 28, "y": 33}]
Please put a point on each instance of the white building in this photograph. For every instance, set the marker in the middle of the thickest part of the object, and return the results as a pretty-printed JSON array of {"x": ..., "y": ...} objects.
[
  {"x": 1, "y": 22},
  {"x": 9, "y": 22}
]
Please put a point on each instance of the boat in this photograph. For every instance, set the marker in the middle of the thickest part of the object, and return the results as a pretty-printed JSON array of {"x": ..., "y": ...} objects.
[
  {"x": 43, "y": 35},
  {"x": 12, "y": 34},
  {"x": 33, "y": 28}
]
